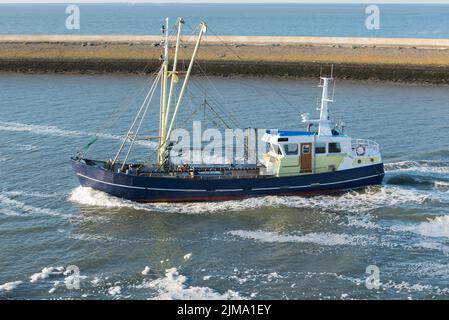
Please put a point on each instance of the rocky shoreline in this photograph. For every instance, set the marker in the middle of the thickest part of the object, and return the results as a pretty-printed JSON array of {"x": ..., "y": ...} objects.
[{"x": 354, "y": 58}]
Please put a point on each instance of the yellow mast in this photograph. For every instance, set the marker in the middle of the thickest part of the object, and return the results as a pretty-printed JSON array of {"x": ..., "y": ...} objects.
[
  {"x": 162, "y": 147},
  {"x": 174, "y": 74},
  {"x": 163, "y": 106}
]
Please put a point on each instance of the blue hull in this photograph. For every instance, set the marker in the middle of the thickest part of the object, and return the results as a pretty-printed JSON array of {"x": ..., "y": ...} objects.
[{"x": 172, "y": 189}]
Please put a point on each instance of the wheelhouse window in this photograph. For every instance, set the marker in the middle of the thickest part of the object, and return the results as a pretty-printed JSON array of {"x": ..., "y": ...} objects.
[
  {"x": 320, "y": 148},
  {"x": 334, "y": 147},
  {"x": 291, "y": 149}
]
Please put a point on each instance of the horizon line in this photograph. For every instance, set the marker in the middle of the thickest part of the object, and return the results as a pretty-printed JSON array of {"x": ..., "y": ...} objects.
[{"x": 364, "y": 2}]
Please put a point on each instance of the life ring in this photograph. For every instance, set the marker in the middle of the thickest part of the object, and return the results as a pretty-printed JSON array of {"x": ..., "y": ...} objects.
[{"x": 360, "y": 150}]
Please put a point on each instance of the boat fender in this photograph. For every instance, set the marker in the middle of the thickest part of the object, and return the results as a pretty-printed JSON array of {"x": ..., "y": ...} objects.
[{"x": 360, "y": 150}]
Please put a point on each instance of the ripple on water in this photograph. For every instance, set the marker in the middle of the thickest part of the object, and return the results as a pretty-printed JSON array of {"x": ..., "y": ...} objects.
[
  {"x": 319, "y": 238},
  {"x": 422, "y": 166},
  {"x": 54, "y": 131},
  {"x": 434, "y": 227},
  {"x": 14, "y": 207}
]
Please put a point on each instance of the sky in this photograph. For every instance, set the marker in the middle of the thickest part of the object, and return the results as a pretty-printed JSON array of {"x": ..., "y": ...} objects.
[{"x": 227, "y": 1}]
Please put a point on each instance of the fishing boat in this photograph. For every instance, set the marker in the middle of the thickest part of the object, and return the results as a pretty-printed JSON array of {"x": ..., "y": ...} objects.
[{"x": 320, "y": 159}]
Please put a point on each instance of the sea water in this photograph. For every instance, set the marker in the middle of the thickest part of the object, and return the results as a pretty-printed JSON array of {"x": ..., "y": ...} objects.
[
  {"x": 344, "y": 20},
  {"x": 271, "y": 247}
]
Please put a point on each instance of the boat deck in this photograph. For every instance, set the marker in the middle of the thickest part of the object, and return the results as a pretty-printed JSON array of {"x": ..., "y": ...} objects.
[{"x": 199, "y": 171}]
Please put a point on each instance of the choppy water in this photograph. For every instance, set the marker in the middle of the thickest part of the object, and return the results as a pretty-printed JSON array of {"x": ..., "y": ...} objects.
[
  {"x": 419, "y": 21},
  {"x": 271, "y": 247}
]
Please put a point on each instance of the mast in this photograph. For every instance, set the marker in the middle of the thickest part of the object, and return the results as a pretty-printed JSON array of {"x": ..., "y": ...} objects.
[
  {"x": 163, "y": 103},
  {"x": 324, "y": 128},
  {"x": 162, "y": 147},
  {"x": 173, "y": 80},
  {"x": 324, "y": 122},
  {"x": 174, "y": 75}
]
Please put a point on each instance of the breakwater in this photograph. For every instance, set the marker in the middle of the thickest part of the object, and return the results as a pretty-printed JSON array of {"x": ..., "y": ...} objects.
[{"x": 390, "y": 59}]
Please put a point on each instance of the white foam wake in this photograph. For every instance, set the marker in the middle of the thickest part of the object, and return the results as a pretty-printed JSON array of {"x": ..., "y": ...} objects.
[
  {"x": 34, "y": 194},
  {"x": 46, "y": 273},
  {"x": 365, "y": 221},
  {"x": 320, "y": 238},
  {"x": 397, "y": 287},
  {"x": 50, "y": 130},
  {"x": 173, "y": 287},
  {"x": 422, "y": 166},
  {"x": 91, "y": 197},
  {"x": 10, "y": 206},
  {"x": 358, "y": 202},
  {"x": 436, "y": 227},
  {"x": 26, "y": 147},
  {"x": 441, "y": 186},
  {"x": 9, "y": 286},
  {"x": 115, "y": 290},
  {"x": 426, "y": 269},
  {"x": 39, "y": 129}
]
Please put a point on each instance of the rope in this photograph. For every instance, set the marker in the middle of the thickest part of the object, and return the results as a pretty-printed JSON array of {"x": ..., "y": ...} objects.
[
  {"x": 239, "y": 58},
  {"x": 151, "y": 93},
  {"x": 147, "y": 98}
]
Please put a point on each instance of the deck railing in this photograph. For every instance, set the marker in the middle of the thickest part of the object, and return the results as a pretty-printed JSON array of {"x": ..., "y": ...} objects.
[{"x": 367, "y": 144}]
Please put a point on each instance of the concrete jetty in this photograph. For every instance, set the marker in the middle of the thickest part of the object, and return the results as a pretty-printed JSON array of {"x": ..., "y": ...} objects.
[{"x": 392, "y": 59}]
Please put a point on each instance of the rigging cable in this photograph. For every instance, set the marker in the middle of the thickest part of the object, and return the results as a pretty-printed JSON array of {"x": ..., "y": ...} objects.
[
  {"x": 228, "y": 47},
  {"x": 146, "y": 101},
  {"x": 122, "y": 107}
]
